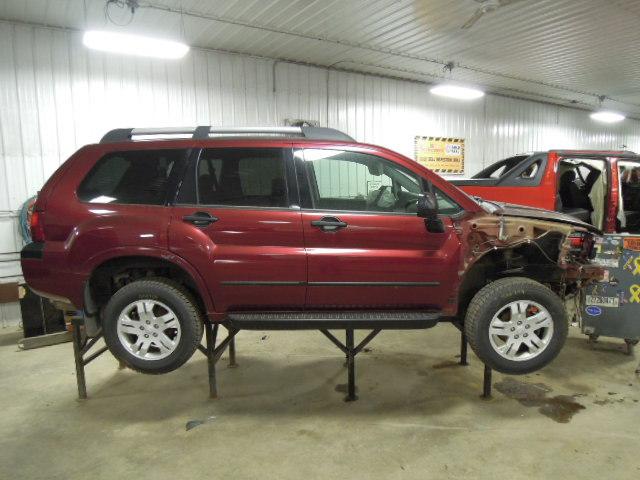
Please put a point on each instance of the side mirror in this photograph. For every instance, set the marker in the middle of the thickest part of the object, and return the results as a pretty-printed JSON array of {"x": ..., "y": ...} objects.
[{"x": 427, "y": 206}]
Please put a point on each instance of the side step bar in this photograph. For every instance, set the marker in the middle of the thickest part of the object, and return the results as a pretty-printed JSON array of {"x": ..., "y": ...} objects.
[{"x": 394, "y": 320}]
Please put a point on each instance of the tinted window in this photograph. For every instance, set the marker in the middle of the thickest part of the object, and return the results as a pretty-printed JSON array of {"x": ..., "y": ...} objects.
[
  {"x": 252, "y": 177},
  {"x": 134, "y": 177},
  {"x": 342, "y": 180}
]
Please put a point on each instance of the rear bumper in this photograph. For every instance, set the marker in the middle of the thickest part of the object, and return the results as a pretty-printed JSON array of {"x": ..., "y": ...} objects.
[{"x": 47, "y": 280}]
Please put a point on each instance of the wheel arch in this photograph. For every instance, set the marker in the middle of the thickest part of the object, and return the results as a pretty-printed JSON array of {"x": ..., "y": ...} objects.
[
  {"x": 523, "y": 261},
  {"x": 112, "y": 271}
]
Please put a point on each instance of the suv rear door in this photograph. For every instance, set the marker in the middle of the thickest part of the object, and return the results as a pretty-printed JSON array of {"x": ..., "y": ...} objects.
[
  {"x": 237, "y": 220},
  {"x": 366, "y": 246}
]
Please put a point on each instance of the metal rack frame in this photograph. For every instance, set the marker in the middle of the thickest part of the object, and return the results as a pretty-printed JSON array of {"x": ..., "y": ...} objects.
[
  {"x": 82, "y": 345},
  {"x": 204, "y": 132}
]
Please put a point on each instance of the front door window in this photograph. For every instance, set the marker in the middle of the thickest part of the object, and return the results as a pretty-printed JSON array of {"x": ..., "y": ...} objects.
[{"x": 359, "y": 182}]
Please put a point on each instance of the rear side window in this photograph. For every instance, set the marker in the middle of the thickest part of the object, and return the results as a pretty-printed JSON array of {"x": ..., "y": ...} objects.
[
  {"x": 138, "y": 177},
  {"x": 244, "y": 177},
  {"x": 500, "y": 168}
]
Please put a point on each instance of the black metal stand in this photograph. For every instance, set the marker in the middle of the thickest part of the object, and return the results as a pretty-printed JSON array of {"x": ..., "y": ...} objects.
[
  {"x": 214, "y": 353},
  {"x": 82, "y": 345},
  {"x": 463, "y": 349},
  {"x": 486, "y": 380},
  {"x": 350, "y": 351},
  {"x": 486, "y": 384}
]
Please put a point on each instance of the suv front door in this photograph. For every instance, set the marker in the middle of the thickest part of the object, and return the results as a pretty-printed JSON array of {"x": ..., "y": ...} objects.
[
  {"x": 236, "y": 222},
  {"x": 366, "y": 246}
]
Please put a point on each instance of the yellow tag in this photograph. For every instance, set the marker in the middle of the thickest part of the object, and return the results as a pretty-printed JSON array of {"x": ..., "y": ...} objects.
[{"x": 635, "y": 293}]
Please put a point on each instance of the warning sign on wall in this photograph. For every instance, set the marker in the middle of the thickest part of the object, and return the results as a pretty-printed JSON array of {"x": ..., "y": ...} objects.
[{"x": 441, "y": 154}]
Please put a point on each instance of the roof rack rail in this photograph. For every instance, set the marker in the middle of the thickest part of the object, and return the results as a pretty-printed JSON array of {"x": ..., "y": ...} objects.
[{"x": 206, "y": 131}]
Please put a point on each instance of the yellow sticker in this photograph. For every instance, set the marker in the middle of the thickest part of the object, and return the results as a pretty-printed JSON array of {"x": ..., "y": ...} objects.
[
  {"x": 635, "y": 293},
  {"x": 637, "y": 264}
]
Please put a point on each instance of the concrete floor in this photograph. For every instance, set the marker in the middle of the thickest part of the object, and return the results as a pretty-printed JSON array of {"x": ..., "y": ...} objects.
[{"x": 280, "y": 416}]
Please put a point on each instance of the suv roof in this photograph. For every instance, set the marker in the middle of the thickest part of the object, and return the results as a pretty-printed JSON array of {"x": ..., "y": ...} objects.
[{"x": 204, "y": 132}]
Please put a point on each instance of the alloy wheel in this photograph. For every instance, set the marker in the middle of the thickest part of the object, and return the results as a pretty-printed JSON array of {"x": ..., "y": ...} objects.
[
  {"x": 521, "y": 330},
  {"x": 149, "y": 329}
]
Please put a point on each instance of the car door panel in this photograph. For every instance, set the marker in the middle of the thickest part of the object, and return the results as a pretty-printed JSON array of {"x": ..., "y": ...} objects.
[
  {"x": 249, "y": 259},
  {"x": 250, "y": 254},
  {"x": 379, "y": 261},
  {"x": 376, "y": 258}
]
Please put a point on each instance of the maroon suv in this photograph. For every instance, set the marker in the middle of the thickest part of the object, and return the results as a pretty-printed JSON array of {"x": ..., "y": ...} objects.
[{"x": 152, "y": 232}]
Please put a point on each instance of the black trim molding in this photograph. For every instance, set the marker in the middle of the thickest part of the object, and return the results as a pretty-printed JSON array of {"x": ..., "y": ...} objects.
[
  {"x": 373, "y": 284},
  {"x": 329, "y": 284},
  {"x": 250, "y": 283}
]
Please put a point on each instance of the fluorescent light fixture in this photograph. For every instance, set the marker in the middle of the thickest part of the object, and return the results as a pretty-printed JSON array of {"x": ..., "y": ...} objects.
[
  {"x": 607, "y": 116},
  {"x": 457, "y": 91},
  {"x": 134, "y": 44}
]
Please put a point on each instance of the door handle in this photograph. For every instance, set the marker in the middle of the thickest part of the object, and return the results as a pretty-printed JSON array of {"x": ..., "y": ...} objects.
[
  {"x": 329, "y": 224},
  {"x": 200, "y": 219}
]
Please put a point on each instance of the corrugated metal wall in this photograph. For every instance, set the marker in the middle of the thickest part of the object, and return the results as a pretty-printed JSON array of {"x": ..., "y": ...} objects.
[{"x": 56, "y": 96}]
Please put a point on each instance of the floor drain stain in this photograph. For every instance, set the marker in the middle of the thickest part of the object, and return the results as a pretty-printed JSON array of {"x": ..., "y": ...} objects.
[{"x": 560, "y": 408}]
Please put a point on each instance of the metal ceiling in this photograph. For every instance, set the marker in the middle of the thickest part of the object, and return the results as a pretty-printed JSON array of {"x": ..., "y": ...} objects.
[{"x": 560, "y": 51}]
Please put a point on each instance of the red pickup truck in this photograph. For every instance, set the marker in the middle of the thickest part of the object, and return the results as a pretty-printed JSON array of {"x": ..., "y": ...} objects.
[{"x": 598, "y": 187}]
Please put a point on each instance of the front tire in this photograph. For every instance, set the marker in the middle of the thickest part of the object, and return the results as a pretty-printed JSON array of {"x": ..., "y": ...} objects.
[
  {"x": 516, "y": 325},
  {"x": 152, "y": 325}
]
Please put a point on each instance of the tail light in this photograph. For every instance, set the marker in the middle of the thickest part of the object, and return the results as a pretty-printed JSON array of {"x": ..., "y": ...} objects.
[
  {"x": 581, "y": 244},
  {"x": 36, "y": 225},
  {"x": 577, "y": 241}
]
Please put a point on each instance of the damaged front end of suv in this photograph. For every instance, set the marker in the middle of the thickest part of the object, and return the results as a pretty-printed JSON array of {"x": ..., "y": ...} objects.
[
  {"x": 507, "y": 246},
  {"x": 507, "y": 240}
]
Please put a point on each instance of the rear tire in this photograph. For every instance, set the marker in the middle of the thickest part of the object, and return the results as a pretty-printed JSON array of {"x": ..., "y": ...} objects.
[
  {"x": 152, "y": 325},
  {"x": 516, "y": 325}
]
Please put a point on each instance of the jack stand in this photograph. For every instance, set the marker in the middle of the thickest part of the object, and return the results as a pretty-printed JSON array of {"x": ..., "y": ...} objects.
[
  {"x": 232, "y": 353},
  {"x": 350, "y": 352},
  {"x": 487, "y": 374},
  {"x": 214, "y": 353},
  {"x": 463, "y": 349},
  {"x": 486, "y": 384},
  {"x": 82, "y": 345}
]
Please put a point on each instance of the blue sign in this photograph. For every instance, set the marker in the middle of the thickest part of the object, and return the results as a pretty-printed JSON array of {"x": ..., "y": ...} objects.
[{"x": 593, "y": 310}]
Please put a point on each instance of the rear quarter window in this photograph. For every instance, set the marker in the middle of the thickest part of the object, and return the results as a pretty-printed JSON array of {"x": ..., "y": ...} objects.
[{"x": 138, "y": 177}]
